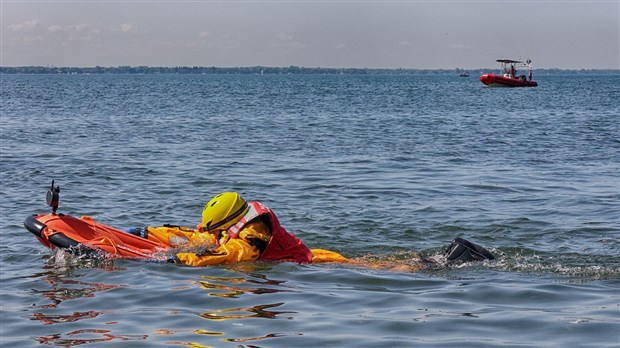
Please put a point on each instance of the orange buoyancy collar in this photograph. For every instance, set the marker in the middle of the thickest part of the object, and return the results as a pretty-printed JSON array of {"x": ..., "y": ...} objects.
[{"x": 283, "y": 246}]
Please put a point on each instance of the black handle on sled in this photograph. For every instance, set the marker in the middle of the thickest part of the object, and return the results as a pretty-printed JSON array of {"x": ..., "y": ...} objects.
[{"x": 53, "y": 197}]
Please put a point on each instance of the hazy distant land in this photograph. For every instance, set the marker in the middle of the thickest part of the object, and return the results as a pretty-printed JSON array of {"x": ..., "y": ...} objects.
[{"x": 257, "y": 70}]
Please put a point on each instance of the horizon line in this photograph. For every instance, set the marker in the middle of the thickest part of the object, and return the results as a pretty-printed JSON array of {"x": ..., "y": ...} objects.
[{"x": 290, "y": 67}]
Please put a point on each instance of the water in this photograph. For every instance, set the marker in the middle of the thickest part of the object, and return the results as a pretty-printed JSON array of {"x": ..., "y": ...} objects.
[{"x": 371, "y": 166}]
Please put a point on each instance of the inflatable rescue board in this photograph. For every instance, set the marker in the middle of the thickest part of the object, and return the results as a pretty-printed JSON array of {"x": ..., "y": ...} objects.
[{"x": 85, "y": 236}]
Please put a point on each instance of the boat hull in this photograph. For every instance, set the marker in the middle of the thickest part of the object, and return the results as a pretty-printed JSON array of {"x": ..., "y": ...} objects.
[
  {"x": 86, "y": 236},
  {"x": 493, "y": 80}
]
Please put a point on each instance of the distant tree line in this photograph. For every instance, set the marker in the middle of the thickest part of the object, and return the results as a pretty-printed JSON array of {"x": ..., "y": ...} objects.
[{"x": 259, "y": 70}]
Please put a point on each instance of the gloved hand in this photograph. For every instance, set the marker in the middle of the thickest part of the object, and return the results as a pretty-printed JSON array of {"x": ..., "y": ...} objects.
[
  {"x": 174, "y": 259},
  {"x": 138, "y": 231}
]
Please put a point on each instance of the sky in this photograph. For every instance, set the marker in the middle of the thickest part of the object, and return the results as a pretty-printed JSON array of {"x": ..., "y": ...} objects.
[{"x": 330, "y": 34}]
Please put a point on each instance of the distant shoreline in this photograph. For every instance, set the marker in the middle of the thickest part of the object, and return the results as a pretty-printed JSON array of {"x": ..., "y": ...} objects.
[{"x": 260, "y": 70}]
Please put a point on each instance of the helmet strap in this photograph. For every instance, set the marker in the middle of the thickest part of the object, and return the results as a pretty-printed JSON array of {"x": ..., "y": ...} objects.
[{"x": 228, "y": 219}]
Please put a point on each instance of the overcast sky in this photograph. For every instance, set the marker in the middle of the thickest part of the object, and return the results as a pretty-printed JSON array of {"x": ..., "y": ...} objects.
[{"x": 360, "y": 34}]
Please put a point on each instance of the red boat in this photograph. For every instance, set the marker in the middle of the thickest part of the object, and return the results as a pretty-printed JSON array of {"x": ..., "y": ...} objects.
[{"x": 510, "y": 77}]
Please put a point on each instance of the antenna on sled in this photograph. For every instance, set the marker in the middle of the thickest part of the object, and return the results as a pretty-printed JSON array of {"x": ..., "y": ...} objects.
[{"x": 53, "y": 196}]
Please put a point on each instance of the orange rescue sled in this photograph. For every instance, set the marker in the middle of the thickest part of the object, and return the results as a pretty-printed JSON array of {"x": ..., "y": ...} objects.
[{"x": 86, "y": 236}]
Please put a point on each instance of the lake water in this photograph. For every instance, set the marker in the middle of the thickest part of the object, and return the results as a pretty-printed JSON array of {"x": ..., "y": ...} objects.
[{"x": 372, "y": 166}]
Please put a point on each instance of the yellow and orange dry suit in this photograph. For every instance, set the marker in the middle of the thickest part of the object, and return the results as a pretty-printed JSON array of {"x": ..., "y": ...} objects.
[{"x": 252, "y": 239}]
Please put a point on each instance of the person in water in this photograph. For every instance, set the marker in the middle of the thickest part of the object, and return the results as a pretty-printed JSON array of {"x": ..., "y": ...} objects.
[{"x": 236, "y": 231}]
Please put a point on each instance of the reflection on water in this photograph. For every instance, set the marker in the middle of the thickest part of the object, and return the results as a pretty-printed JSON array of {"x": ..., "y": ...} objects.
[
  {"x": 164, "y": 332},
  {"x": 223, "y": 285},
  {"x": 239, "y": 340},
  {"x": 232, "y": 291},
  {"x": 68, "y": 289},
  {"x": 260, "y": 338},
  {"x": 55, "y": 319},
  {"x": 74, "y": 338},
  {"x": 60, "y": 276},
  {"x": 246, "y": 281},
  {"x": 207, "y": 332},
  {"x": 233, "y": 287},
  {"x": 190, "y": 344},
  {"x": 259, "y": 311},
  {"x": 226, "y": 290}
]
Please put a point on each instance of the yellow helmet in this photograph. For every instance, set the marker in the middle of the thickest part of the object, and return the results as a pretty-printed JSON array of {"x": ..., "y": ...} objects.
[{"x": 223, "y": 211}]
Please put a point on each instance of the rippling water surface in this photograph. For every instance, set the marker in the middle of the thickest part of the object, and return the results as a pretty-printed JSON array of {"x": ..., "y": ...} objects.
[{"x": 368, "y": 165}]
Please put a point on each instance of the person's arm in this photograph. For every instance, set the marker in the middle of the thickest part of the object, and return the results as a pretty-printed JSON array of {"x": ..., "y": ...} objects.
[
  {"x": 248, "y": 247},
  {"x": 235, "y": 250},
  {"x": 167, "y": 234}
]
